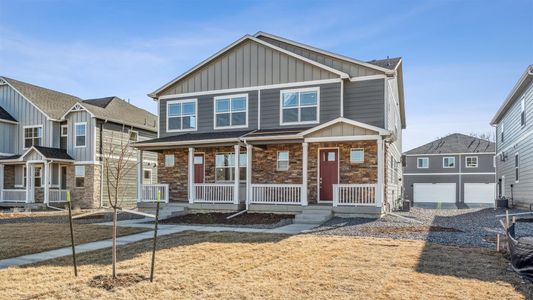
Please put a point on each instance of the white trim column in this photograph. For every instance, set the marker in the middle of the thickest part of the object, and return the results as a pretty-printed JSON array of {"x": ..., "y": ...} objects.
[
  {"x": 140, "y": 174},
  {"x": 305, "y": 156},
  {"x": 237, "y": 174},
  {"x": 45, "y": 180},
  {"x": 1, "y": 183},
  {"x": 29, "y": 192},
  {"x": 381, "y": 174},
  {"x": 191, "y": 191},
  {"x": 248, "y": 175}
]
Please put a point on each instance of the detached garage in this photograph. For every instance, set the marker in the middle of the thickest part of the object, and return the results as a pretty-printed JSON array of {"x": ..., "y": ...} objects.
[
  {"x": 434, "y": 192},
  {"x": 480, "y": 193}
]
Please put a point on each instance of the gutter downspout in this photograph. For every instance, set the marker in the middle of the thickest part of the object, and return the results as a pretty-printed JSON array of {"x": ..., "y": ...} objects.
[{"x": 247, "y": 201}]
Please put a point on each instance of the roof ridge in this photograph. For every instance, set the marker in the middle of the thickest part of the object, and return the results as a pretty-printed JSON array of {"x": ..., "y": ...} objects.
[{"x": 40, "y": 87}]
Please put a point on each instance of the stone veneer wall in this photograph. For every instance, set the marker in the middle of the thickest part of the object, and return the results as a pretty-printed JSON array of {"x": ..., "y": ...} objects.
[
  {"x": 9, "y": 176},
  {"x": 89, "y": 195},
  {"x": 264, "y": 165},
  {"x": 366, "y": 172}
]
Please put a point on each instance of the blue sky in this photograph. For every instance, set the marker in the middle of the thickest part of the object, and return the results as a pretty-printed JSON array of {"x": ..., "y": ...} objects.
[{"x": 461, "y": 58}]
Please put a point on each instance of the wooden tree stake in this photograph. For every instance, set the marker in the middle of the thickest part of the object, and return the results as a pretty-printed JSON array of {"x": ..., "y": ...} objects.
[
  {"x": 72, "y": 234},
  {"x": 155, "y": 235}
]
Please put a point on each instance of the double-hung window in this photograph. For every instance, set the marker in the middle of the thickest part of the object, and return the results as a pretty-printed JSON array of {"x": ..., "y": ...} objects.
[
  {"x": 471, "y": 162},
  {"x": 181, "y": 115},
  {"x": 79, "y": 173},
  {"x": 33, "y": 136},
  {"x": 64, "y": 130},
  {"x": 225, "y": 167},
  {"x": 231, "y": 111},
  {"x": 282, "y": 163},
  {"x": 422, "y": 163},
  {"x": 448, "y": 162},
  {"x": 300, "y": 106},
  {"x": 81, "y": 134},
  {"x": 523, "y": 112}
]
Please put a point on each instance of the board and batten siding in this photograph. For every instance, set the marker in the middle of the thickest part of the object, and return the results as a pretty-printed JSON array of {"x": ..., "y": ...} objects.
[
  {"x": 364, "y": 101},
  {"x": 26, "y": 114},
  {"x": 353, "y": 69},
  {"x": 248, "y": 64},
  {"x": 81, "y": 153},
  {"x": 8, "y": 138}
]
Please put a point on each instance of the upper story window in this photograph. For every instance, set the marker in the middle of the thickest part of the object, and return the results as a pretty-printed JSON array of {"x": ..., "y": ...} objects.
[
  {"x": 357, "y": 155},
  {"x": 422, "y": 163},
  {"x": 300, "y": 106},
  {"x": 471, "y": 161},
  {"x": 33, "y": 136},
  {"x": 181, "y": 115},
  {"x": 64, "y": 130},
  {"x": 523, "y": 112},
  {"x": 81, "y": 134},
  {"x": 231, "y": 111},
  {"x": 448, "y": 162},
  {"x": 501, "y": 133}
]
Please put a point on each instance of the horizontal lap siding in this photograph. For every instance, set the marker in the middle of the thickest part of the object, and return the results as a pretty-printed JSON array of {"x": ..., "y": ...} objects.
[
  {"x": 513, "y": 129},
  {"x": 364, "y": 101}
]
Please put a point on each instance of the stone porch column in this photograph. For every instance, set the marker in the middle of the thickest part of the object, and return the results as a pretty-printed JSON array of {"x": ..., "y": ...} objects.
[
  {"x": 303, "y": 195},
  {"x": 237, "y": 174},
  {"x": 248, "y": 175},
  {"x": 191, "y": 176},
  {"x": 381, "y": 173}
]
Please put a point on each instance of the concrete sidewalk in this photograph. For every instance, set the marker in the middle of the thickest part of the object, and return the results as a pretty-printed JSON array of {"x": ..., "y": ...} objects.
[{"x": 163, "y": 230}]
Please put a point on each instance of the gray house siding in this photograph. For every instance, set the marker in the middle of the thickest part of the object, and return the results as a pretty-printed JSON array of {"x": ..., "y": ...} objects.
[
  {"x": 364, "y": 101},
  {"x": 246, "y": 65},
  {"x": 81, "y": 153},
  {"x": 8, "y": 134},
  {"x": 485, "y": 164},
  {"x": 26, "y": 114},
  {"x": 352, "y": 69}
]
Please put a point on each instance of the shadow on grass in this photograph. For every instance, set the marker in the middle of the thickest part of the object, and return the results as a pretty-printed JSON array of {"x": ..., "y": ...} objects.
[
  {"x": 470, "y": 262},
  {"x": 186, "y": 238}
]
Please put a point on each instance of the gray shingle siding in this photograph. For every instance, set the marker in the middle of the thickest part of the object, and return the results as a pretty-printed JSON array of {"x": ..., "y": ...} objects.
[{"x": 364, "y": 101}]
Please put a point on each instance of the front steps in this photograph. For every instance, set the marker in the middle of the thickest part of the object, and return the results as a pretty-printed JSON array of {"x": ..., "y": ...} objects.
[
  {"x": 315, "y": 214},
  {"x": 165, "y": 210}
]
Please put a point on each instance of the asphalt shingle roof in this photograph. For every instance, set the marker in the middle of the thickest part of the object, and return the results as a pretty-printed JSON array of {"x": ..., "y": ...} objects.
[
  {"x": 387, "y": 63},
  {"x": 53, "y": 153},
  {"x": 4, "y": 115},
  {"x": 196, "y": 137},
  {"x": 455, "y": 143},
  {"x": 277, "y": 131}
]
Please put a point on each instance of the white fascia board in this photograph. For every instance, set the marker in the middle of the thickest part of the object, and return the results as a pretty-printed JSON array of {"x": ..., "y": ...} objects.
[
  {"x": 9, "y": 122},
  {"x": 324, "y": 52},
  {"x": 380, "y": 131},
  {"x": 505, "y": 106},
  {"x": 342, "y": 138},
  {"x": 369, "y": 77}
]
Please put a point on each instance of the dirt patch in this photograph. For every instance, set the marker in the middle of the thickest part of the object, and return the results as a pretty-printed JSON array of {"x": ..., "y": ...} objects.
[
  {"x": 107, "y": 282},
  {"x": 221, "y": 218},
  {"x": 411, "y": 229}
]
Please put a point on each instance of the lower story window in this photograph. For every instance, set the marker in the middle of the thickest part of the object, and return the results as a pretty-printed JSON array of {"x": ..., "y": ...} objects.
[
  {"x": 80, "y": 176},
  {"x": 283, "y": 161},
  {"x": 37, "y": 181},
  {"x": 225, "y": 167},
  {"x": 357, "y": 155}
]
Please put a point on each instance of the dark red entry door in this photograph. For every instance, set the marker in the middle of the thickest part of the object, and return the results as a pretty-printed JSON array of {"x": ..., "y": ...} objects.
[
  {"x": 329, "y": 172},
  {"x": 198, "y": 168}
]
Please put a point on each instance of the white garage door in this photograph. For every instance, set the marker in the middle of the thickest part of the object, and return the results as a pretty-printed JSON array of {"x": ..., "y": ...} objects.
[
  {"x": 434, "y": 192},
  {"x": 479, "y": 192}
]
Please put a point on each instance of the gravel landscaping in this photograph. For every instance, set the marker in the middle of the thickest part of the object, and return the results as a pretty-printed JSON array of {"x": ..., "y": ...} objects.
[{"x": 459, "y": 227}]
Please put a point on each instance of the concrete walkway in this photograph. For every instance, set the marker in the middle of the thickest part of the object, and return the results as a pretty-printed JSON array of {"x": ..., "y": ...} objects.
[{"x": 163, "y": 230}]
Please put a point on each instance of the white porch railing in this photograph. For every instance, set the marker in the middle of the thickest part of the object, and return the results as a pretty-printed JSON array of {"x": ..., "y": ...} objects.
[
  {"x": 354, "y": 194},
  {"x": 14, "y": 195},
  {"x": 149, "y": 192},
  {"x": 213, "y": 192},
  {"x": 276, "y": 193},
  {"x": 55, "y": 196}
]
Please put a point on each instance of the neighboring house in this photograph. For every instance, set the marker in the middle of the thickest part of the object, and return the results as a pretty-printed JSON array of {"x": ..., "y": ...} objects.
[
  {"x": 51, "y": 143},
  {"x": 514, "y": 142},
  {"x": 270, "y": 124},
  {"x": 453, "y": 171}
]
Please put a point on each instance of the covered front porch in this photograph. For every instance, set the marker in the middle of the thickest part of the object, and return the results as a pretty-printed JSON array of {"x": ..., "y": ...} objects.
[
  {"x": 39, "y": 176},
  {"x": 339, "y": 164}
]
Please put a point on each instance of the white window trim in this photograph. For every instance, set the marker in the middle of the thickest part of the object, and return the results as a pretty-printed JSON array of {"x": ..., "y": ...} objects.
[
  {"x": 147, "y": 170},
  {"x": 422, "y": 158},
  {"x": 76, "y": 135},
  {"x": 129, "y": 135},
  {"x": 471, "y": 167},
  {"x": 445, "y": 166},
  {"x": 310, "y": 89},
  {"x": 195, "y": 100},
  {"x": 40, "y": 176},
  {"x": 61, "y": 131},
  {"x": 230, "y": 112},
  {"x": 278, "y": 160},
  {"x": 229, "y": 167},
  {"x": 76, "y": 176},
  {"x": 24, "y": 135},
  {"x": 173, "y": 160},
  {"x": 357, "y": 161}
]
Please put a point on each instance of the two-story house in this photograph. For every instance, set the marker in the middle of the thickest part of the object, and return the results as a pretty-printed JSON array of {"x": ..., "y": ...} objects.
[
  {"x": 269, "y": 124},
  {"x": 514, "y": 142},
  {"x": 453, "y": 171},
  {"x": 52, "y": 142}
]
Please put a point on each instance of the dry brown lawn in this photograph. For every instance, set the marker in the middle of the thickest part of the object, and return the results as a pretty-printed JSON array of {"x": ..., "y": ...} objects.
[
  {"x": 26, "y": 238},
  {"x": 194, "y": 265}
]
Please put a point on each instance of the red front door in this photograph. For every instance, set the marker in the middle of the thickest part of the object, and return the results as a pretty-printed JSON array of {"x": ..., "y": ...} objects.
[
  {"x": 329, "y": 173},
  {"x": 198, "y": 168}
]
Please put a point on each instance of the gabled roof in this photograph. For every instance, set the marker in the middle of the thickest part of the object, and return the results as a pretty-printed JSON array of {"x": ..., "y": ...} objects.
[
  {"x": 455, "y": 143},
  {"x": 523, "y": 82},
  {"x": 378, "y": 130},
  {"x": 387, "y": 63},
  {"x": 5, "y": 116},
  {"x": 53, "y": 153},
  {"x": 100, "y": 102}
]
